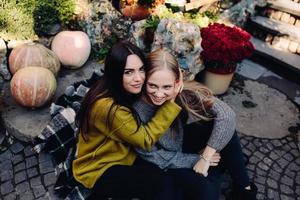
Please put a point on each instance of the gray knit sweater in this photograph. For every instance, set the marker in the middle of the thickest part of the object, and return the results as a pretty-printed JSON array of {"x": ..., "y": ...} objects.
[{"x": 167, "y": 152}]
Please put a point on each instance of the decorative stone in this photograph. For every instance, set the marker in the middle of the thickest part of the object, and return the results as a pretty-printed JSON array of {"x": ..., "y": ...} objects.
[
  {"x": 240, "y": 12},
  {"x": 81, "y": 8},
  {"x": 13, "y": 43},
  {"x": 54, "y": 29},
  {"x": 137, "y": 34},
  {"x": 3, "y": 48},
  {"x": 3, "y": 61},
  {"x": 103, "y": 23},
  {"x": 183, "y": 39}
]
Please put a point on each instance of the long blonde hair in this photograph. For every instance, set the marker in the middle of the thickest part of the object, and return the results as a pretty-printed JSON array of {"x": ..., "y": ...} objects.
[{"x": 197, "y": 100}]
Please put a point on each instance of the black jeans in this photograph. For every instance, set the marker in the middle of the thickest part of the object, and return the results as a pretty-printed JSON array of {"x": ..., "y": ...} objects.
[
  {"x": 196, "y": 136},
  {"x": 192, "y": 186},
  {"x": 142, "y": 180}
]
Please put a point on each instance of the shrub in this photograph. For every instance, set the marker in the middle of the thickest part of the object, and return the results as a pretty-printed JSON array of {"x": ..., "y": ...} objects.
[
  {"x": 17, "y": 20},
  {"x": 42, "y": 21}
]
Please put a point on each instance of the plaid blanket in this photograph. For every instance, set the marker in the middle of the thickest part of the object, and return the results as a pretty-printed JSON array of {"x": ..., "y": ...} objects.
[{"x": 59, "y": 138}]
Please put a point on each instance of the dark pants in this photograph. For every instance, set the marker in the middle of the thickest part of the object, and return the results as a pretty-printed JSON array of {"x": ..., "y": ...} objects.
[
  {"x": 195, "y": 139},
  {"x": 192, "y": 186},
  {"x": 142, "y": 180}
]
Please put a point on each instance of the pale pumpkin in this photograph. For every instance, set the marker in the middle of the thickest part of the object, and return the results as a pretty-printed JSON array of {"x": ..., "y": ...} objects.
[
  {"x": 33, "y": 54},
  {"x": 72, "y": 48},
  {"x": 33, "y": 86}
]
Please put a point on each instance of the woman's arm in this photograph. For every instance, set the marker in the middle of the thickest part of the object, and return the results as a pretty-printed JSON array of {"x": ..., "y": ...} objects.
[
  {"x": 224, "y": 125},
  {"x": 223, "y": 130},
  {"x": 124, "y": 127}
]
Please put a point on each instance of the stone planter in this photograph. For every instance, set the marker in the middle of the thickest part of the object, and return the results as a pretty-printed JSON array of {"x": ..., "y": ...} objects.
[
  {"x": 218, "y": 83},
  {"x": 217, "y": 76}
]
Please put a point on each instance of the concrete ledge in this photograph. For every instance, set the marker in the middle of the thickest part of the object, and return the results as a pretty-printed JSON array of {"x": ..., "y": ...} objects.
[
  {"x": 282, "y": 28},
  {"x": 289, "y": 60},
  {"x": 26, "y": 123},
  {"x": 286, "y": 6}
]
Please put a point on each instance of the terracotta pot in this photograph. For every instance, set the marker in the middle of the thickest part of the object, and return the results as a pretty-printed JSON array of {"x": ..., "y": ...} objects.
[
  {"x": 218, "y": 83},
  {"x": 135, "y": 12}
]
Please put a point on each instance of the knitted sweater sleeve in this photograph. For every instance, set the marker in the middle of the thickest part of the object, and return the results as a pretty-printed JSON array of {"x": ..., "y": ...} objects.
[{"x": 224, "y": 125}]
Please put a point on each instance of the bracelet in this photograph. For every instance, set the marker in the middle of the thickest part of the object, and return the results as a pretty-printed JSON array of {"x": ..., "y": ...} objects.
[{"x": 202, "y": 157}]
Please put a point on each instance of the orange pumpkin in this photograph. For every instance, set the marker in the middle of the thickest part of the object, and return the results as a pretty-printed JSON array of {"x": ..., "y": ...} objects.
[
  {"x": 72, "y": 48},
  {"x": 33, "y": 54},
  {"x": 33, "y": 86}
]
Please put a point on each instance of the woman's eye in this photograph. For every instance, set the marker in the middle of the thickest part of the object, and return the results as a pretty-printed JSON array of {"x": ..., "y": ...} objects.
[
  {"x": 128, "y": 72},
  {"x": 142, "y": 69},
  {"x": 152, "y": 86},
  {"x": 167, "y": 87}
]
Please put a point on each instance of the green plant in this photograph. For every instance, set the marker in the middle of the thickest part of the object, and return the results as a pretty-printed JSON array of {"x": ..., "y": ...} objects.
[
  {"x": 17, "y": 21},
  {"x": 151, "y": 22},
  {"x": 44, "y": 17},
  {"x": 200, "y": 19},
  {"x": 107, "y": 44}
]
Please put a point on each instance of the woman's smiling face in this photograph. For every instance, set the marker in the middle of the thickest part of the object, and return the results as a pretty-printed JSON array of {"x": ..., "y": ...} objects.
[
  {"x": 134, "y": 75},
  {"x": 160, "y": 86}
]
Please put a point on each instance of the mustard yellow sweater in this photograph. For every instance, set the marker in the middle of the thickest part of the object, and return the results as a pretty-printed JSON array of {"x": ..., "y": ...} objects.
[{"x": 111, "y": 145}]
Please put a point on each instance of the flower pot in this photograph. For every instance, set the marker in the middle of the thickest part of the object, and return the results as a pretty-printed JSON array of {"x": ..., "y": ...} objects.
[
  {"x": 217, "y": 83},
  {"x": 135, "y": 12}
]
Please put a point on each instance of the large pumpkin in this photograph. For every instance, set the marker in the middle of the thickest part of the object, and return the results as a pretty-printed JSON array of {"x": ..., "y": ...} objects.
[
  {"x": 33, "y": 54},
  {"x": 72, "y": 48},
  {"x": 33, "y": 86}
]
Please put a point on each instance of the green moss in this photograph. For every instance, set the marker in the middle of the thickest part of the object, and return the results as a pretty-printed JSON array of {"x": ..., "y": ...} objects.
[{"x": 19, "y": 19}]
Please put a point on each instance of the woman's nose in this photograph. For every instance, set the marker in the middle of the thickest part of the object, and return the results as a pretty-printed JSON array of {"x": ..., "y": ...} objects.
[
  {"x": 138, "y": 77},
  {"x": 159, "y": 93}
]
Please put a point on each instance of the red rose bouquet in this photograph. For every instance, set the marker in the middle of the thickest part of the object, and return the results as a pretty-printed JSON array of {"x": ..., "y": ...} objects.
[{"x": 224, "y": 46}]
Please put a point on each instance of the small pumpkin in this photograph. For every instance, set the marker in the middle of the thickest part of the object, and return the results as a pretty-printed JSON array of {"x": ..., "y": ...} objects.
[
  {"x": 33, "y": 86},
  {"x": 72, "y": 48},
  {"x": 33, "y": 54}
]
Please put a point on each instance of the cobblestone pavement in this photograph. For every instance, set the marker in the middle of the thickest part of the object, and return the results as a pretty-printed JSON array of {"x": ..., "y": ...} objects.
[{"x": 274, "y": 165}]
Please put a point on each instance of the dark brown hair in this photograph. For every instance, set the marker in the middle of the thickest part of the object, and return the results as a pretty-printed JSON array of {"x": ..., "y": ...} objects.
[{"x": 110, "y": 84}]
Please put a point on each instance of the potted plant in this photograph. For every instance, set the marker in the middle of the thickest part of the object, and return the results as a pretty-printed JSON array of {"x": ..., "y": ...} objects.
[
  {"x": 138, "y": 9},
  {"x": 223, "y": 47}
]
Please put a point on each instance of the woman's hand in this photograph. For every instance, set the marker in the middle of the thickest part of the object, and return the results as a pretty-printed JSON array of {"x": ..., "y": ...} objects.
[
  {"x": 215, "y": 159},
  {"x": 202, "y": 166},
  {"x": 208, "y": 157}
]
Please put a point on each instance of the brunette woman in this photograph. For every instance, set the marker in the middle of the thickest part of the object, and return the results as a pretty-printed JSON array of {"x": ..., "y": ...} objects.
[{"x": 109, "y": 129}]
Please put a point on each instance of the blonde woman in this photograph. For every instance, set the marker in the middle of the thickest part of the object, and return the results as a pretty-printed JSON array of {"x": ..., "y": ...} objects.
[{"x": 190, "y": 152}]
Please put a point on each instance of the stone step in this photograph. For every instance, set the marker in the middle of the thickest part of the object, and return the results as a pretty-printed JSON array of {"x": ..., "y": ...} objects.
[
  {"x": 277, "y": 27},
  {"x": 285, "y": 59},
  {"x": 281, "y": 16},
  {"x": 25, "y": 123},
  {"x": 292, "y": 7},
  {"x": 278, "y": 40}
]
